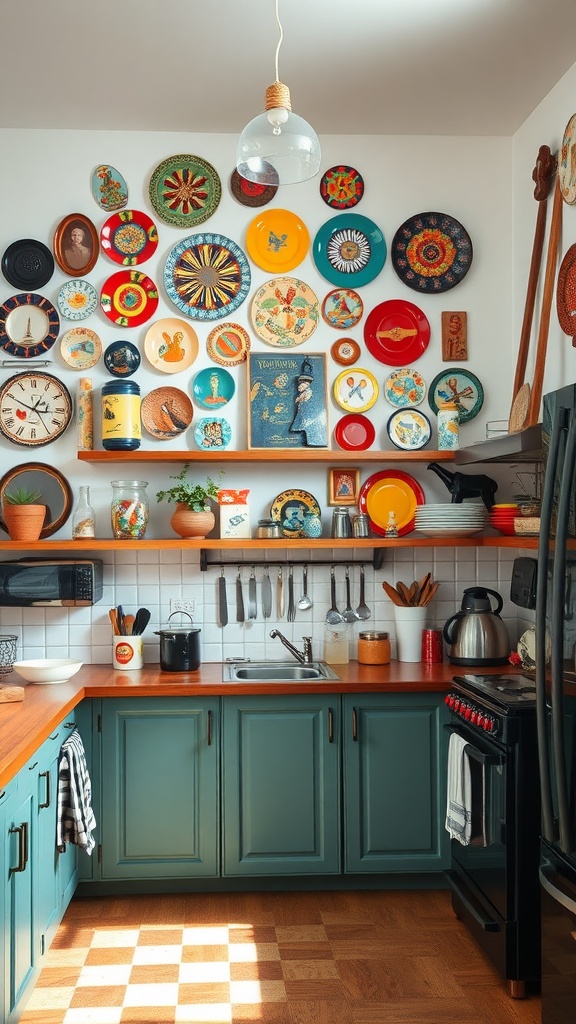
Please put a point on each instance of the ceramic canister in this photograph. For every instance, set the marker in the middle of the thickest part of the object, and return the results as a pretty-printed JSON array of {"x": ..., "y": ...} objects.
[
  {"x": 121, "y": 427},
  {"x": 448, "y": 427}
]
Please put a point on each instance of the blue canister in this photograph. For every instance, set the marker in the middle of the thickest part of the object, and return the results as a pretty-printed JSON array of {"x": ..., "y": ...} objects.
[{"x": 121, "y": 429}]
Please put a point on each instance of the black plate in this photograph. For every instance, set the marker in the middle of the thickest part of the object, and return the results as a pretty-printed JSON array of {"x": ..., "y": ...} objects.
[
  {"x": 122, "y": 359},
  {"x": 27, "y": 264}
]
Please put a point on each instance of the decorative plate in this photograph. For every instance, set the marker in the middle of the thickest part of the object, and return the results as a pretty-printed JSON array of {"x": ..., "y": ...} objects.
[
  {"x": 566, "y": 292},
  {"x": 228, "y": 344},
  {"x": 185, "y": 190},
  {"x": 213, "y": 387},
  {"x": 284, "y": 312},
  {"x": 129, "y": 237},
  {"x": 396, "y": 332},
  {"x": 354, "y": 433},
  {"x": 459, "y": 386},
  {"x": 277, "y": 240},
  {"x": 171, "y": 345},
  {"x": 390, "y": 490},
  {"x": 27, "y": 264},
  {"x": 404, "y": 388},
  {"x": 346, "y": 351},
  {"x": 567, "y": 163},
  {"x": 121, "y": 359},
  {"x": 288, "y": 509},
  {"x": 212, "y": 433},
  {"x": 356, "y": 390},
  {"x": 80, "y": 348},
  {"x": 109, "y": 188},
  {"x": 342, "y": 308},
  {"x": 409, "y": 429},
  {"x": 349, "y": 249},
  {"x": 341, "y": 187},
  {"x": 431, "y": 252},
  {"x": 29, "y": 325},
  {"x": 77, "y": 299},
  {"x": 76, "y": 245},
  {"x": 166, "y": 413},
  {"x": 250, "y": 193},
  {"x": 207, "y": 276},
  {"x": 129, "y": 298}
]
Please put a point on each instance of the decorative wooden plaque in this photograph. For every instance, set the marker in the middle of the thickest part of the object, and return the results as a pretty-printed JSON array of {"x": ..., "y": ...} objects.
[{"x": 454, "y": 336}]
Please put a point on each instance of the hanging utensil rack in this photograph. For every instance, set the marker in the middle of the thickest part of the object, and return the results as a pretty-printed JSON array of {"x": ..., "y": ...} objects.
[{"x": 376, "y": 561}]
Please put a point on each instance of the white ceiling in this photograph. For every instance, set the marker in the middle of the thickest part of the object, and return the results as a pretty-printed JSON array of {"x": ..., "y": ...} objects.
[{"x": 411, "y": 67}]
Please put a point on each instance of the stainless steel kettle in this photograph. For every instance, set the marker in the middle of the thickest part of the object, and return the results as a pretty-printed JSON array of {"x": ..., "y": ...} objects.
[{"x": 476, "y": 635}]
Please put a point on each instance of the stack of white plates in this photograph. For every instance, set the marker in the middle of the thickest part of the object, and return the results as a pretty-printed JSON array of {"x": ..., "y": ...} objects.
[{"x": 450, "y": 520}]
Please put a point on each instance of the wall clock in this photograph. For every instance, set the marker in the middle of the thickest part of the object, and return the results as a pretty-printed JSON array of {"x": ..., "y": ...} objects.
[{"x": 35, "y": 408}]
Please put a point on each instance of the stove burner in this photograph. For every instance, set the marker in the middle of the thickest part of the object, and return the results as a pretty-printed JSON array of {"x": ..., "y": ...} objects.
[{"x": 517, "y": 691}]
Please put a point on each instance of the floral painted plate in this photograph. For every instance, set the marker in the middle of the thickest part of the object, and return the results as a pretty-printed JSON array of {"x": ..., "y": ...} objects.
[
  {"x": 284, "y": 312},
  {"x": 250, "y": 193},
  {"x": 459, "y": 386},
  {"x": 356, "y": 390},
  {"x": 207, "y": 276},
  {"x": 342, "y": 308},
  {"x": 341, "y": 187},
  {"x": 166, "y": 413},
  {"x": 109, "y": 188},
  {"x": 354, "y": 433},
  {"x": 431, "y": 252},
  {"x": 185, "y": 190},
  {"x": 171, "y": 345},
  {"x": 80, "y": 348},
  {"x": 228, "y": 344},
  {"x": 212, "y": 433},
  {"x": 396, "y": 332},
  {"x": 277, "y": 240},
  {"x": 77, "y": 299},
  {"x": 213, "y": 387},
  {"x": 409, "y": 429},
  {"x": 129, "y": 298},
  {"x": 288, "y": 509},
  {"x": 349, "y": 250},
  {"x": 122, "y": 358},
  {"x": 346, "y": 351},
  {"x": 404, "y": 388},
  {"x": 129, "y": 237}
]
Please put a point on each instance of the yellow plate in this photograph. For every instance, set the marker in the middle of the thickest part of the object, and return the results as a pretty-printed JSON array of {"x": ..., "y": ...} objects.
[
  {"x": 356, "y": 389},
  {"x": 390, "y": 490},
  {"x": 277, "y": 240}
]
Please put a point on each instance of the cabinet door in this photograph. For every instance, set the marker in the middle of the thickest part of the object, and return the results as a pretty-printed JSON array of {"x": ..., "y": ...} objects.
[
  {"x": 20, "y": 891},
  {"x": 281, "y": 791},
  {"x": 6, "y": 799},
  {"x": 395, "y": 783},
  {"x": 160, "y": 814}
]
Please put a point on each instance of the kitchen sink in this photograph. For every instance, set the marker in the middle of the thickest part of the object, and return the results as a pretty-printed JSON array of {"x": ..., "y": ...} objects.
[{"x": 277, "y": 672}]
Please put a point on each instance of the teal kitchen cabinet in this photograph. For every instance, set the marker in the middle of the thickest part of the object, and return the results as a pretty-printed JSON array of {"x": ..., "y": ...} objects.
[
  {"x": 395, "y": 755},
  {"x": 160, "y": 806},
  {"x": 281, "y": 785},
  {"x": 6, "y": 798}
]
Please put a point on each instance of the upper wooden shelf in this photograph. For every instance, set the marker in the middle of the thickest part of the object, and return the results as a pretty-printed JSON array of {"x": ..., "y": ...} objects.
[
  {"x": 80, "y": 547},
  {"x": 259, "y": 455}
]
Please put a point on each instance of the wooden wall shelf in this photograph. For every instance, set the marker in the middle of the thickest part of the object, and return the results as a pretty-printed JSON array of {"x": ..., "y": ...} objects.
[
  {"x": 251, "y": 455},
  {"x": 86, "y": 547}
]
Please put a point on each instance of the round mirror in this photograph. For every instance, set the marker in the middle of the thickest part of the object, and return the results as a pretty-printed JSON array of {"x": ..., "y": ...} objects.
[{"x": 54, "y": 489}]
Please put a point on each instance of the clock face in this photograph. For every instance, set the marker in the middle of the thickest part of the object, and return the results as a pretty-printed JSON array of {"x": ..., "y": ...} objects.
[{"x": 35, "y": 408}]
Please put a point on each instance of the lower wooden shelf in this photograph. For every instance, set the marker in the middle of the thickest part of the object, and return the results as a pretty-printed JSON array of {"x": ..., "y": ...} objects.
[{"x": 80, "y": 547}]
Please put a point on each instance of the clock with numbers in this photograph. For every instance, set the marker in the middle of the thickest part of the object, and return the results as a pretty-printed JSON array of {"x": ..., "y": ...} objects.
[{"x": 35, "y": 408}]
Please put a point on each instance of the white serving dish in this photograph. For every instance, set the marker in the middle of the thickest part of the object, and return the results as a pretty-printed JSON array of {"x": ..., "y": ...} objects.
[{"x": 48, "y": 670}]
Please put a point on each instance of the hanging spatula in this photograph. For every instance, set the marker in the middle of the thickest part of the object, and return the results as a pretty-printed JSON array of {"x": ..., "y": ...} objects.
[
  {"x": 252, "y": 605},
  {"x": 266, "y": 594},
  {"x": 239, "y": 598},
  {"x": 222, "y": 600}
]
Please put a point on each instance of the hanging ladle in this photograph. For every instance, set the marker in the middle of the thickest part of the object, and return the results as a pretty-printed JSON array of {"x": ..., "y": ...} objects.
[
  {"x": 333, "y": 616},
  {"x": 305, "y": 602}
]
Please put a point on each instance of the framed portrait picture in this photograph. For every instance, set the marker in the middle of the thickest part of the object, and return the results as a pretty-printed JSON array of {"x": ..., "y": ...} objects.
[
  {"x": 287, "y": 400},
  {"x": 76, "y": 245},
  {"x": 343, "y": 486}
]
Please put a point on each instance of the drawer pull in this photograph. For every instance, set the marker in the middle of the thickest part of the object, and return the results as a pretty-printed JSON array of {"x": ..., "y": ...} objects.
[
  {"x": 330, "y": 726},
  {"x": 354, "y": 725},
  {"x": 22, "y": 831},
  {"x": 45, "y": 775},
  {"x": 209, "y": 728}
]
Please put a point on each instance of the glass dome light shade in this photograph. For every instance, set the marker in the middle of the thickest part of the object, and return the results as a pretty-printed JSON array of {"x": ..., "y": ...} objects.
[{"x": 278, "y": 147}]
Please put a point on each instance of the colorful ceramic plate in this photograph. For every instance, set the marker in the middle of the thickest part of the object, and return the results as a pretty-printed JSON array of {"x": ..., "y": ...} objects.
[
  {"x": 354, "y": 433},
  {"x": 349, "y": 250},
  {"x": 207, "y": 276},
  {"x": 171, "y": 345},
  {"x": 185, "y": 190},
  {"x": 396, "y": 332},
  {"x": 390, "y": 490},
  {"x": 129, "y": 237},
  {"x": 346, "y": 351},
  {"x": 404, "y": 388},
  {"x": 250, "y": 193},
  {"x": 284, "y": 312},
  {"x": 77, "y": 299},
  {"x": 129, "y": 298},
  {"x": 228, "y": 344},
  {"x": 277, "y": 240},
  {"x": 80, "y": 348},
  {"x": 213, "y": 387},
  {"x": 459, "y": 386},
  {"x": 566, "y": 292},
  {"x": 342, "y": 187},
  {"x": 567, "y": 163},
  {"x": 288, "y": 509},
  {"x": 166, "y": 413},
  {"x": 342, "y": 308},
  {"x": 356, "y": 390},
  {"x": 109, "y": 188},
  {"x": 29, "y": 325},
  {"x": 212, "y": 433},
  {"x": 122, "y": 359},
  {"x": 431, "y": 252},
  {"x": 27, "y": 264},
  {"x": 409, "y": 429}
]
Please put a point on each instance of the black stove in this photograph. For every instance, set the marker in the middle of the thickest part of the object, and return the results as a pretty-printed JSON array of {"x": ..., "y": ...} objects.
[{"x": 492, "y": 703}]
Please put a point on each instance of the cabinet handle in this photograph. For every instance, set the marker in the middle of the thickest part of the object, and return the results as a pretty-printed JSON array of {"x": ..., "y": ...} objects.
[
  {"x": 354, "y": 725},
  {"x": 54, "y": 736},
  {"x": 330, "y": 726},
  {"x": 45, "y": 775},
  {"x": 22, "y": 831},
  {"x": 209, "y": 728},
  {"x": 69, "y": 725},
  {"x": 32, "y": 766}
]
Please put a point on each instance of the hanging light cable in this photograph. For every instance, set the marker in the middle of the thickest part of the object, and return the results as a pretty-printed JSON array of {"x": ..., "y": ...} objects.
[{"x": 278, "y": 147}]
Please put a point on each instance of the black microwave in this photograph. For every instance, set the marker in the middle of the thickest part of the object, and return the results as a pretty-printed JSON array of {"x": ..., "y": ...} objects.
[{"x": 43, "y": 582}]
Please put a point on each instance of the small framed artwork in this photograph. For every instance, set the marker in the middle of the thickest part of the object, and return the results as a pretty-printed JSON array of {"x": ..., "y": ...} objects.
[
  {"x": 76, "y": 245},
  {"x": 287, "y": 400},
  {"x": 343, "y": 486}
]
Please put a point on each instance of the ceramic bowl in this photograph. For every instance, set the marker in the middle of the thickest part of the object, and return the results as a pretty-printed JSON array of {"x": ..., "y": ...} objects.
[{"x": 48, "y": 670}]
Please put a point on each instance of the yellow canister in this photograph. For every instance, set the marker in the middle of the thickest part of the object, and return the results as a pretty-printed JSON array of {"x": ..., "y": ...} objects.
[{"x": 374, "y": 648}]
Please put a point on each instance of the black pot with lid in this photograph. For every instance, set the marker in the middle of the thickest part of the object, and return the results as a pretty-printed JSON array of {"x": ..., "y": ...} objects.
[{"x": 179, "y": 646}]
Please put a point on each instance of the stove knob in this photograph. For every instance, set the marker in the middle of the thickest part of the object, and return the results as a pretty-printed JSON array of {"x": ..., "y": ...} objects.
[
  {"x": 480, "y": 721},
  {"x": 456, "y": 705},
  {"x": 468, "y": 713},
  {"x": 449, "y": 700},
  {"x": 489, "y": 726},
  {"x": 474, "y": 718}
]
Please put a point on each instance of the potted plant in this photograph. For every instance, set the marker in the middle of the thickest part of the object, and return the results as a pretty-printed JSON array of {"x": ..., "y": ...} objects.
[
  {"x": 23, "y": 513},
  {"x": 193, "y": 516}
]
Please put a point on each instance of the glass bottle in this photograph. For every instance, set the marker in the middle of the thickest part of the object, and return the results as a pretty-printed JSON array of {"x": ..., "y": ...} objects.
[
  {"x": 83, "y": 516},
  {"x": 129, "y": 509}
]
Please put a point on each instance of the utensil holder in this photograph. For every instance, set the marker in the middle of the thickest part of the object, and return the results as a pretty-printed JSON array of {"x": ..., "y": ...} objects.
[
  {"x": 410, "y": 621},
  {"x": 127, "y": 652}
]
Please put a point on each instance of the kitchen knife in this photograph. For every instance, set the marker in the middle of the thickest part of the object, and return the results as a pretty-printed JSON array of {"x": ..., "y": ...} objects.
[
  {"x": 291, "y": 607},
  {"x": 266, "y": 594},
  {"x": 239, "y": 599},
  {"x": 280, "y": 594},
  {"x": 222, "y": 600},
  {"x": 252, "y": 607}
]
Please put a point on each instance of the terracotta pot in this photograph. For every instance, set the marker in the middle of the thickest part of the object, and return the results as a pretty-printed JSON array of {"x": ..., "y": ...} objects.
[
  {"x": 24, "y": 522},
  {"x": 187, "y": 523}
]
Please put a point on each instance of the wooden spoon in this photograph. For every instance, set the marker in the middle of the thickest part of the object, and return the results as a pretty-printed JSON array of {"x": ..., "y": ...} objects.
[
  {"x": 393, "y": 594},
  {"x": 403, "y": 591},
  {"x": 129, "y": 621},
  {"x": 114, "y": 620}
]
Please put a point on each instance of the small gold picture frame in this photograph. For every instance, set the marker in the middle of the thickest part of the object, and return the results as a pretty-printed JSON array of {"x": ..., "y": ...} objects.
[{"x": 343, "y": 486}]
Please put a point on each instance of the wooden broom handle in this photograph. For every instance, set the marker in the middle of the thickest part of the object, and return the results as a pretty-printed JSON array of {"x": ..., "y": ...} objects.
[{"x": 547, "y": 294}]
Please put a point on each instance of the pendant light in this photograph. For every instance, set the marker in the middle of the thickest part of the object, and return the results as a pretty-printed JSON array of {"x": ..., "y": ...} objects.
[{"x": 278, "y": 147}]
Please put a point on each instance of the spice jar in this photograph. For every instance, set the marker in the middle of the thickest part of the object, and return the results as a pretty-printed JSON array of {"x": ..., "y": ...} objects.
[
  {"x": 374, "y": 648},
  {"x": 268, "y": 528},
  {"x": 121, "y": 427},
  {"x": 129, "y": 509}
]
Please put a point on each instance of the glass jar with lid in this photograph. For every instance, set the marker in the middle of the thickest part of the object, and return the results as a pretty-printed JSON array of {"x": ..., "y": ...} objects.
[
  {"x": 373, "y": 648},
  {"x": 129, "y": 509}
]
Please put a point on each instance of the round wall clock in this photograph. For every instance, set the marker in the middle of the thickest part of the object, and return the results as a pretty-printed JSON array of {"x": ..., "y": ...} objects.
[
  {"x": 35, "y": 408},
  {"x": 29, "y": 325}
]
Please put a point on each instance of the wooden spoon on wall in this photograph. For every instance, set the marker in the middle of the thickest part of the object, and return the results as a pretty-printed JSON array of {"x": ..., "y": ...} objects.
[{"x": 547, "y": 294}]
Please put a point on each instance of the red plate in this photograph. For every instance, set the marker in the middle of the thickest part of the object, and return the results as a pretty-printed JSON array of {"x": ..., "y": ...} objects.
[
  {"x": 390, "y": 490},
  {"x": 129, "y": 237},
  {"x": 396, "y": 332},
  {"x": 354, "y": 433},
  {"x": 129, "y": 298},
  {"x": 566, "y": 293}
]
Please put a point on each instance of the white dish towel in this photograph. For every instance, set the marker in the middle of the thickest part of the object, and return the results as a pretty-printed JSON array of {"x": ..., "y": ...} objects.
[{"x": 459, "y": 796}]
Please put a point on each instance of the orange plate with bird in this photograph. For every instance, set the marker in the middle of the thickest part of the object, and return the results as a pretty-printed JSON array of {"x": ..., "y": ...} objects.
[
  {"x": 284, "y": 312},
  {"x": 459, "y": 386},
  {"x": 277, "y": 240},
  {"x": 166, "y": 413},
  {"x": 171, "y": 345}
]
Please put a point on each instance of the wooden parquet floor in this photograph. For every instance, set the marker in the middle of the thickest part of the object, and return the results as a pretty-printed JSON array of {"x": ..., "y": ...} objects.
[{"x": 270, "y": 958}]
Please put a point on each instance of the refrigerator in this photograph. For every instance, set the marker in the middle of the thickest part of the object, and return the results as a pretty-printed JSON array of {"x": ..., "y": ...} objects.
[{"x": 556, "y": 706}]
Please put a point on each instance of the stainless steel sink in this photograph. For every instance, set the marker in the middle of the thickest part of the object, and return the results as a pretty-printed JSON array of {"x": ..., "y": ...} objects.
[{"x": 276, "y": 672}]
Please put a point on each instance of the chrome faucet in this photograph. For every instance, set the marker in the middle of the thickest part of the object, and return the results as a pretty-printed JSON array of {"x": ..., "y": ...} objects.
[{"x": 305, "y": 656}]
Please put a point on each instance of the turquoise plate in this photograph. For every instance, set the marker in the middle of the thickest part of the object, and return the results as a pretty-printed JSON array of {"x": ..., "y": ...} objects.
[
  {"x": 213, "y": 387},
  {"x": 212, "y": 433},
  {"x": 349, "y": 250}
]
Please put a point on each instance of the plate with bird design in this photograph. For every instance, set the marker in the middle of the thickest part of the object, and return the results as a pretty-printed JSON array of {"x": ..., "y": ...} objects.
[
  {"x": 342, "y": 308},
  {"x": 277, "y": 240},
  {"x": 171, "y": 345},
  {"x": 166, "y": 413},
  {"x": 284, "y": 312}
]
